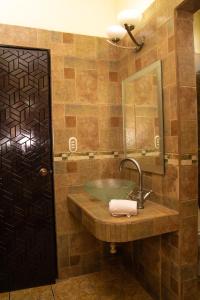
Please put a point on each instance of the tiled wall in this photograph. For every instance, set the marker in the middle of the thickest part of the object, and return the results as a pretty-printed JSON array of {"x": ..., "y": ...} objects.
[
  {"x": 169, "y": 37},
  {"x": 86, "y": 96},
  {"x": 86, "y": 105}
]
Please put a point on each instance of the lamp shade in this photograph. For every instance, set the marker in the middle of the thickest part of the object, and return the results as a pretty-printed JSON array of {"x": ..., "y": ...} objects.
[
  {"x": 129, "y": 17},
  {"x": 116, "y": 32}
]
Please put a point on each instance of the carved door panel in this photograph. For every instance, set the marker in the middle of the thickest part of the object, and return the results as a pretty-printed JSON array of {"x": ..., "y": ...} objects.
[{"x": 27, "y": 227}]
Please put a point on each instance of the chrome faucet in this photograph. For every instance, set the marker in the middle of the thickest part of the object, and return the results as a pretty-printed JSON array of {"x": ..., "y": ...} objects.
[{"x": 141, "y": 194}]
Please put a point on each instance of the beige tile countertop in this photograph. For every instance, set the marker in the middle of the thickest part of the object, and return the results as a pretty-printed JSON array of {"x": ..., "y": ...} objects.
[{"x": 154, "y": 219}]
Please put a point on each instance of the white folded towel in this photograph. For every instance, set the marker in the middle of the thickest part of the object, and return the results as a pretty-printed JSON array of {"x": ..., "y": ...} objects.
[{"x": 120, "y": 207}]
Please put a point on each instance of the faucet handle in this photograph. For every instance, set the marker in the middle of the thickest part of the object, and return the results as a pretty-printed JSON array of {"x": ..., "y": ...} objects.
[{"x": 146, "y": 194}]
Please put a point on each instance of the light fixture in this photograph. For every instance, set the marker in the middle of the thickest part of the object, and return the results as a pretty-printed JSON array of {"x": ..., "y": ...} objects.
[
  {"x": 116, "y": 33},
  {"x": 128, "y": 19}
]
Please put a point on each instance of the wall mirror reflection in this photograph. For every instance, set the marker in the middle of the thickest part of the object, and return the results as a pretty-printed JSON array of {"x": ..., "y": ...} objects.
[{"x": 143, "y": 118}]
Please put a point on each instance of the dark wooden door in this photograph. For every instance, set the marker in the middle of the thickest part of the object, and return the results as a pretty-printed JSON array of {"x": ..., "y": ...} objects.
[
  {"x": 27, "y": 227},
  {"x": 198, "y": 116}
]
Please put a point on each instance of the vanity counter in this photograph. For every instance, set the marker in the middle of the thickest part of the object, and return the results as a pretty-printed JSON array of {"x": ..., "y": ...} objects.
[{"x": 154, "y": 219}]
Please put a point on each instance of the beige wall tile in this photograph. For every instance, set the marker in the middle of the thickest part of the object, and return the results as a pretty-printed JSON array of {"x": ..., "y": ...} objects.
[
  {"x": 88, "y": 133},
  {"x": 64, "y": 91},
  {"x": 86, "y": 85},
  {"x": 188, "y": 241},
  {"x": 44, "y": 38},
  {"x": 20, "y": 36},
  {"x": 68, "y": 38},
  {"x": 188, "y": 103},
  {"x": 70, "y": 121},
  {"x": 85, "y": 46},
  {"x": 188, "y": 136},
  {"x": 69, "y": 73},
  {"x": 113, "y": 76},
  {"x": 188, "y": 179},
  {"x": 57, "y": 64},
  {"x": 71, "y": 166}
]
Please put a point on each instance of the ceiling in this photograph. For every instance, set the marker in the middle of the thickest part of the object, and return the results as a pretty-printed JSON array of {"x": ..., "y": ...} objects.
[
  {"x": 128, "y": 4},
  {"x": 89, "y": 17}
]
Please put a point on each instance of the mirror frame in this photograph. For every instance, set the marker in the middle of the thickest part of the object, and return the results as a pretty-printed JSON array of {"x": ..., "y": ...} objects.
[{"x": 157, "y": 66}]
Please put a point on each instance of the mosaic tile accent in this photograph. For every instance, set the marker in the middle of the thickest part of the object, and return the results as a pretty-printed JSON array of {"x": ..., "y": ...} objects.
[
  {"x": 172, "y": 159},
  {"x": 116, "y": 154},
  {"x": 185, "y": 160},
  {"x": 91, "y": 155},
  {"x": 174, "y": 162},
  {"x": 147, "y": 152},
  {"x": 57, "y": 158},
  {"x": 64, "y": 156},
  {"x": 87, "y": 155}
]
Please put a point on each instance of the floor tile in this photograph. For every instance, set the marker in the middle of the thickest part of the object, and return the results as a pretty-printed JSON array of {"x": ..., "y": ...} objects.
[
  {"x": 110, "y": 284},
  {"x": 88, "y": 297},
  {"x": 44, "y": 293},
  {"x": 4, "y": 296},
  {"x": 66, "y": 289},
  {"x": 28, "y": 294},
  {"x": 38, "y": 293}
]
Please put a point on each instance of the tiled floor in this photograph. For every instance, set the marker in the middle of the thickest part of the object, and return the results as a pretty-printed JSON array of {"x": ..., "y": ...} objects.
[{"x": 105, "y": 285}]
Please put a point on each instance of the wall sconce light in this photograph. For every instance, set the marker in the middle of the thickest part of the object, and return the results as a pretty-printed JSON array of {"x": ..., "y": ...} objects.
[{"x": 128, "y": 19}]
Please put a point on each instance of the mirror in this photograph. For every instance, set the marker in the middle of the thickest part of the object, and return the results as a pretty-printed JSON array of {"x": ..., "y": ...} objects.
[{"x": 143, "y": 118}]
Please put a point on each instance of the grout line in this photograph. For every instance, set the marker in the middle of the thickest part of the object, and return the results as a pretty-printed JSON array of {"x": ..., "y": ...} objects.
[{"x": 52, "y": 293}]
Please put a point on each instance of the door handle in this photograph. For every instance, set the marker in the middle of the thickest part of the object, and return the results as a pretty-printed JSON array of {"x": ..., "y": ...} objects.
[{"x": 43, "y": 172}]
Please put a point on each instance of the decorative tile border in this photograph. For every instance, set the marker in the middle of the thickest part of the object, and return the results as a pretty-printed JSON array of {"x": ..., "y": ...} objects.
[
  {"x": 188, "y": 159},
  {"x": 87, "y": 155},
  {"x": 184, "y": 159},
  {"x": 170, "y": 159},
  {"x": 146, "y": 153},
  {"x": 173, "y": 162}
]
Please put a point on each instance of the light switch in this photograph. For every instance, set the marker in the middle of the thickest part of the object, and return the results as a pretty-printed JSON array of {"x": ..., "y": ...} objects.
[
  {"x": 157, "y": 141},
  {"x": 72, "y": 144}
]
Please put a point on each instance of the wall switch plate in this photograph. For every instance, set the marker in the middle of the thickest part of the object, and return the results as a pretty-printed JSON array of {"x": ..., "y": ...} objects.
[
  {"x": 157, "y": 141},
  {"x": 72, "y": 144}
]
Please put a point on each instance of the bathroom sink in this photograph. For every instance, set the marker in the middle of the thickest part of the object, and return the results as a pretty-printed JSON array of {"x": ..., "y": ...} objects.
[
  {"x": 107, "y": 189},
  {"x": 154, "y": 220}
]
